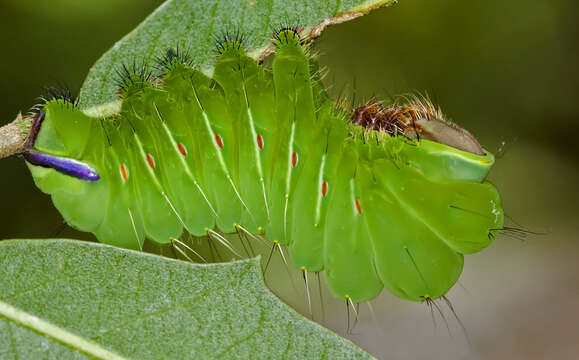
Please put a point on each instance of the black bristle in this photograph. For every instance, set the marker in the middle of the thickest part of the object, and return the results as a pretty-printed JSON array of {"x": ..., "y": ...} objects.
[
  {"x": 135, "y": 76},
  {"x": 229, "y": 39},
  {"x": 60, "y": 92},
  {"x": 287, "y": 26},
  {"x": 174, "y": 56}
]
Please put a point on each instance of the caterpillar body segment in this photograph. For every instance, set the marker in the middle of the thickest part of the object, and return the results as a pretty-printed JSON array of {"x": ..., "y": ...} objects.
[
  {"x": 364, "y": 198},
  {"x": 348, "y": 251},
  {"x": 249, "y": 97},
  {"x": 296, "y": 120},
  {"x": 172, "y": 175},
  {"x": 63, "y": 120},
  {"x": 319, "y": 164}
]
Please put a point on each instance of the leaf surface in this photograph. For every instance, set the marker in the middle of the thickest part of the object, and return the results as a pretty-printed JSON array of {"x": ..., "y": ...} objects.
[
  {"x": 196, "y": 25},
  {"x": 64, "y": 299}
]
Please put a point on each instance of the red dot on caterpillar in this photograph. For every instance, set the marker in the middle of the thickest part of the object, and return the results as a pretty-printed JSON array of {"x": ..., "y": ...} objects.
[
  {"x": 358, "y": 206},
  {"x": 260, "y": 141},
  {"x": 324, "y": 188},
  {"x": 124, "y": 172},
  {"x": 219, "y": 141},
  {"x": 295, "y": 159},
  {"x": 150, "y": 161},
  {"x": 182, "y": 149}
]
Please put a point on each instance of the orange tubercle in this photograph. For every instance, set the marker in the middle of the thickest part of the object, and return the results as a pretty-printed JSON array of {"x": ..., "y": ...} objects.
[
  {"x": 358, "y": 206},
  {"x": 182, "y": 149},
  {"x": 124, "y": 172},
  {"x": 219, "y": 141},
  {"x": 150, "y": 161},
  {"x": 324, "y": 188}
]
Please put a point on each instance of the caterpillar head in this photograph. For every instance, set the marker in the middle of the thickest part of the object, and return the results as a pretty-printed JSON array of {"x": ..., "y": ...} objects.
[
  {"x": 448, "y": 152},
  {"x": 416, "y": 120}
]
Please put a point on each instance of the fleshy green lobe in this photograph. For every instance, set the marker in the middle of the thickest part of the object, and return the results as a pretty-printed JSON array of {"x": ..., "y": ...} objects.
[
  {"x": 89, "y": 206},
  {"x": 443, "y": 163},
  {"x": 412, "y": 261},
  {"x": 348, "y": 251},
  {"x": 463, "y": 214}
]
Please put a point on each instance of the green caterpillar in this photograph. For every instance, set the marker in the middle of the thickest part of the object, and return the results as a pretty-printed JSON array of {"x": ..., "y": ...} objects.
[{"x": 385, "y": 197}]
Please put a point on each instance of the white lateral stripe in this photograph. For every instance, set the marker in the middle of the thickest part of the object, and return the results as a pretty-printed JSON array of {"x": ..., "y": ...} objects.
[
  {"x": 158, "y": 184},
  {"x": 257, "y": 156},
  {"x": 144, "y": 156},
  {"x": 319, "y": 195},
  {"x": 179, "y": 156},
  {"x": 289, "y": 163},
  {"x": 218, "y": 150},
  {"x": 186, "y": 166},
  {"x": 288, "y": 177},
  {"x": 222, "y": 161},
  {"x": 215, "y": 146},
  {"x": 254, "y": 141},
  {"x": 353, "y": 195}
]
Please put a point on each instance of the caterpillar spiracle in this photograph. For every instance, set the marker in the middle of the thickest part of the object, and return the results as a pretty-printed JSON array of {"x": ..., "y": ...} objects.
[{"x": 378, "y": 197}]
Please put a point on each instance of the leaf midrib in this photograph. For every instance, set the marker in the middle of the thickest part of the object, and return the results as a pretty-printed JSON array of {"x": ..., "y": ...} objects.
[{"x": 58, "y": 334}]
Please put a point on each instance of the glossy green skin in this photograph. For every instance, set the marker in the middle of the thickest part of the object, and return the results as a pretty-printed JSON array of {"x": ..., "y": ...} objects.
[{"x": 397, "y": 214}]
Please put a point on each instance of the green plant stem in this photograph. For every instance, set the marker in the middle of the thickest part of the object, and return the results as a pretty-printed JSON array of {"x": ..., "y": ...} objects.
[{"x": 13, "y": 136}]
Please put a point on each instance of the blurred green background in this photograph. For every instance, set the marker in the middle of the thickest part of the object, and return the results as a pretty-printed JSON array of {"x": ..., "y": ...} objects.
[{"x": 506, "y": 70}]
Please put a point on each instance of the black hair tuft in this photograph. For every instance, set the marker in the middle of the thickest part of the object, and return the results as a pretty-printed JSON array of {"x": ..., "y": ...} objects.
[
  {"x": 174, "y": 56},
  {"x": 60, "y": 92},
  {"x": 133, "y": 77},
  {"x": 284, "y": 27},
  {"x": 229, "y": 40},
  {"x": 286, "y": 35}
]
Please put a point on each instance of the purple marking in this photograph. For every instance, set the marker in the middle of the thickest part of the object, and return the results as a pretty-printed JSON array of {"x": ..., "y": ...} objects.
[{"x": 66, "y": 166}]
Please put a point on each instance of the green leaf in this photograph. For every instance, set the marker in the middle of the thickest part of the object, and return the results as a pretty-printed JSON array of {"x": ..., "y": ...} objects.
[
  {"x": 195, "y": 25},
  {"x": 64, "y": 299}
]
